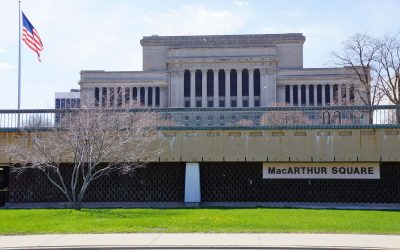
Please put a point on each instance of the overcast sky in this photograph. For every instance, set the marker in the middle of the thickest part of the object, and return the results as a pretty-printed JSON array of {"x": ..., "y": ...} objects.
[{"x": 104, "y": 34}]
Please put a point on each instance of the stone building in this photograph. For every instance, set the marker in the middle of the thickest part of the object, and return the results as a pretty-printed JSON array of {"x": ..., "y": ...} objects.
[{"x": 220, "y": 71}]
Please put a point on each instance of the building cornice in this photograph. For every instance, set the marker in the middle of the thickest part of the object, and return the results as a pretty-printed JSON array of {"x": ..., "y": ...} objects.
[{"x": 221, "y": 41}]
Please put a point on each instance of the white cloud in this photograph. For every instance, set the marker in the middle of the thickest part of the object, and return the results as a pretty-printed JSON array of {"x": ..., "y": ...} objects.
[
  {"x": 241, "y": 3},
  {"x": 5, "y": 66}
]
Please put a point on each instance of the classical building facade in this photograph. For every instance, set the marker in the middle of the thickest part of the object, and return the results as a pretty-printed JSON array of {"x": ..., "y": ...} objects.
[{"x": 221, "y": 71}]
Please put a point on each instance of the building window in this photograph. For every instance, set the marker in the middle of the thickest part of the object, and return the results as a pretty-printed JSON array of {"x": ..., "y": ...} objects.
[
  {"x": 119, "y": 97},
  {"x": 303, "y": 95},
  {"x": 352, "y": 93},
  {"x": 344, "y": 94},
  {"x": 245, "y": 83},
  {"x": 142, "y": 96},
  {"x": 112, "y": 97},
  {"x": 327, "y": 94},
  {"x": 198, "y": 83},
  {"x": 58, "y": 103},
  {"x": 150, "y": 96},
  {"x": 96, "y": 97},
  {"x": 295, "y": 95},
  {"x": 319, "y": 95},
  {"x": 210, "y": 83},
  {"x": 222, "y": 104},
  {"x": 311, "y": 94},
  {"x": 287, "y": 94},
  {"x": 187, "y": 104},
  {"x": 78, "y": 103},
  {"x": 257, "y": 86},
  {"x": 158, "y": 96},
  {"x": 127, "y": 96},
  {"x": 186, "y": 83},
  {"x": 210, "y": 104},
  {"x": 62, "y": 103},
  {"x": 233, "y": 103},
  {"x": 335, "y": 93},
  {"x": 233, "y": 83},
  {"x": 256, "y": 103},
  {"x": 134, "y": 94},
  {"x": 73, "y": 103},
  {"x": 198, "y": 104},
  {"x": 103, "y": 97},
  {"x": 221, "y": 83},
  {"x": 245, "y": 103}
]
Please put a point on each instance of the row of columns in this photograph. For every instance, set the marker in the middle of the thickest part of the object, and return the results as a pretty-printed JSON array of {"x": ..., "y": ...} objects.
[
  {"x": 103, "y": 96},
  {"x": 239, "y": 100},
  {"x": 332, "y": 98},
  {"x": 267, "y": 88}
]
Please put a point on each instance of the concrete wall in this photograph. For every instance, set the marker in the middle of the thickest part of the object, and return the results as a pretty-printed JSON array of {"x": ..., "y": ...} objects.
[{"x": 341, "y": 145}]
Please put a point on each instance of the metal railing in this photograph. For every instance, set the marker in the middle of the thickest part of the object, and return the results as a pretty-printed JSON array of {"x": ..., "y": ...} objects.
[{"x": 387, "y": 116}]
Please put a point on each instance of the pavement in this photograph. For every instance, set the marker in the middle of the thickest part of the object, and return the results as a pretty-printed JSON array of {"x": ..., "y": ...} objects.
[{"x": 200, "y": 241}]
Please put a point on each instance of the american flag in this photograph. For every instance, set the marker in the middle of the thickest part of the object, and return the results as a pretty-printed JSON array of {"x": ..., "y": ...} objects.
[{"x": 30, "y": 36}]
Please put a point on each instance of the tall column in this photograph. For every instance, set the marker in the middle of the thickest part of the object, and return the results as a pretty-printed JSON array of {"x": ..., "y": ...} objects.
[
  {"x": 251, "y": 88},
  {"x": 271, "y": 86},
  {"x": 153, "y": 97},
  {"x": 263, "y": 87},
  {"x": 216, "y": 88},
  {"x": 163, "y": 95},
  {"x": 146, "y": 96},
  {"x": 315, "y": 94},
  {"x": 192, "y": 88},
  {"x": 331, "y": 94},
  {"x": 323, "y": 94},
  {"x": 180, "y": 89},
  {"x": 291, "y": 95},
  {"x": 173, "y": 88},
  {"x": 227, "y": 88},
  {"x": 239, "y": 98},
  {"x": 299, "y": 95},
  {"x": 204, "y": 88},
  {"x": 307, "y": 95}
]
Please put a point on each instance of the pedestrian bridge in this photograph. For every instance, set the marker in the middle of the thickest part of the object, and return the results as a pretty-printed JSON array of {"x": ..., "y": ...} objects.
[
  {"x": 277, "y": 134},
  {"x": 221, "y": 155}
]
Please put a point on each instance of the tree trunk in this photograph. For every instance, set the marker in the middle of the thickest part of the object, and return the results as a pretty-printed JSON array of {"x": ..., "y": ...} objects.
[
  {"x": 77, "y": 205},
  {"x": 371, "y": 117}
]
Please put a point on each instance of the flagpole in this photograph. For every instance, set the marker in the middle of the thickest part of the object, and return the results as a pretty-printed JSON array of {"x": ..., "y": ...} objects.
[{"x": 19, "y": 60}]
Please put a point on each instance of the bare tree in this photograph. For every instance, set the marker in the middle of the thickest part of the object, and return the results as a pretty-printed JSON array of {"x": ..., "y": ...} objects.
[
  {"x": 358, "y": 54},
  {"x": 388, "y": 70},
  {"x": 97, "y": 142}
]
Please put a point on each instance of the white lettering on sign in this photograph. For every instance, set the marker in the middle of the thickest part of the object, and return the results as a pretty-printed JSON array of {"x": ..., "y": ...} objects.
[{"x": 333, "y": 170}]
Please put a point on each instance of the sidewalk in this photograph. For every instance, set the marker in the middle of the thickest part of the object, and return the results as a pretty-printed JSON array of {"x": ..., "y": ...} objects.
[{"x": 201, "y": 240}]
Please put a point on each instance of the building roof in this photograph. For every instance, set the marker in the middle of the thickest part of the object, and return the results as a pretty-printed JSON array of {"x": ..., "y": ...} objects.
[{"x": 207, "y": 41}]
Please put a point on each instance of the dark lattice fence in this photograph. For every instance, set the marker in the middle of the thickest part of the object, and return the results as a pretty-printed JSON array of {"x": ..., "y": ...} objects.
[
  {"x": 156, "y": 182},
  {"x": 233, "y": 181}
]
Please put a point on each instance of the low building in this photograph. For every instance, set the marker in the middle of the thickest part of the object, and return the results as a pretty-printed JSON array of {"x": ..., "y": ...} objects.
[{"x": 257, "y": 70}]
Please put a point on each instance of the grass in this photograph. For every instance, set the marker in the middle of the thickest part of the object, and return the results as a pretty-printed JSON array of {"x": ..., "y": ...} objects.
[{"x": 251, "y": 220}]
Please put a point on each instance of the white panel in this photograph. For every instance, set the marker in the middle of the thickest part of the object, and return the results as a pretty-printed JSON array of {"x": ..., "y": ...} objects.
[{"x": 192, "y": 183}]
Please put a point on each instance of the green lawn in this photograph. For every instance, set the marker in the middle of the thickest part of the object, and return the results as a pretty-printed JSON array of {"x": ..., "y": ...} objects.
[{"x": 40, "y": 221}]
